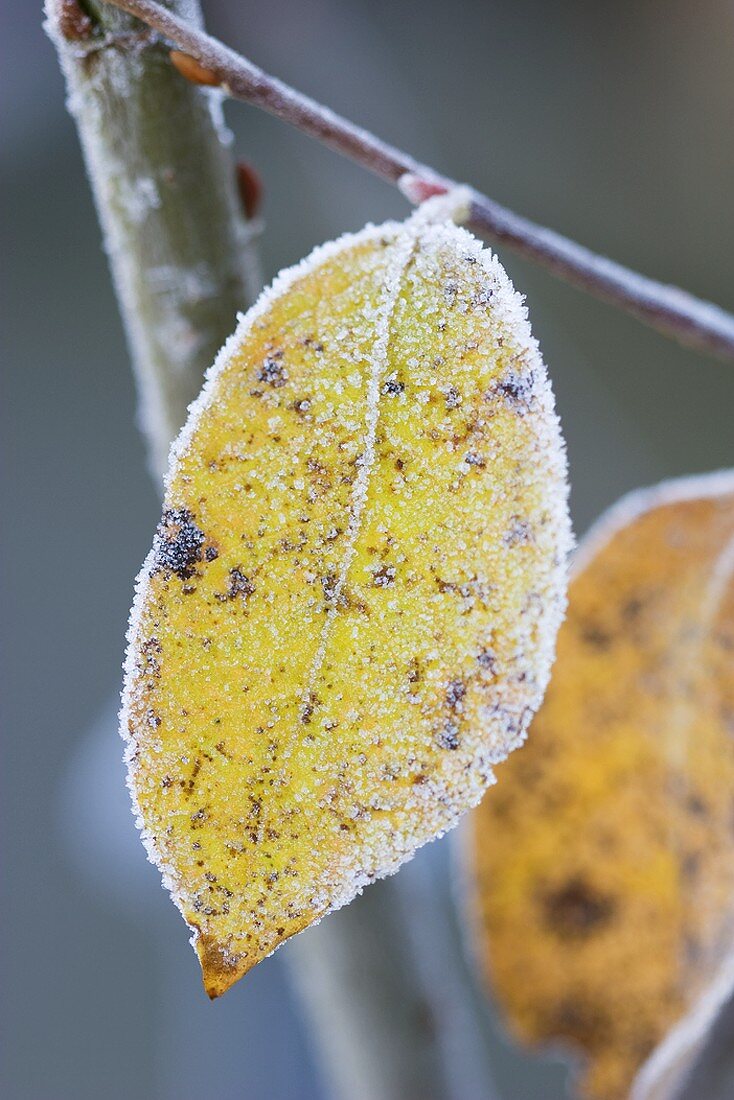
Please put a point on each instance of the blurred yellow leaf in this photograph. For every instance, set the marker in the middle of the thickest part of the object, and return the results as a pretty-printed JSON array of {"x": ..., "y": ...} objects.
[
  {"x": 603, "y": 862},
  {"x": 350, "y": 609}
]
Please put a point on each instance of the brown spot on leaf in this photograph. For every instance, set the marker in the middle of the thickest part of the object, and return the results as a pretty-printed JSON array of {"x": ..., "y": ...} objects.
[
  {"x": 474, "y": 459},
  {"x": 576, "y": 1019},
  {"x": 517, "y": 388},
  {"x": 383, "y": 576},
  {"x": 453, "y": 397},
  {"x": 308, "y": 708},
  {"x": 577, "y": 909},
  {"x": 329, "y": 584},
  {"x": 595, "y": 636},
  {"x": 239, "y": 585}
]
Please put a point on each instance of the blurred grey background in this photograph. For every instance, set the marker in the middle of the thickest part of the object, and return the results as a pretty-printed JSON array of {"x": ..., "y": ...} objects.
[{"x": 610, "y": 122}]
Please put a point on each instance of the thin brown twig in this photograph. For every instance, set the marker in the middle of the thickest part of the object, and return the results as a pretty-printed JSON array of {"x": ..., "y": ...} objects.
[{"x": 669, "y": 310}]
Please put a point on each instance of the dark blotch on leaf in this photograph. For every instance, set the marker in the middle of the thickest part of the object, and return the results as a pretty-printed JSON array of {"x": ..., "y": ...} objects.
[
  {"x": 516, "y": 387},
  {"x": 455, "y": 693},
  {"x": 632, "y": 609},
  {"x": 518, "y": 533},
  {"x": 581, "y": 1020},
  {"x": 577, "y": 909},
  {"x": 596, "y": 637},
  {"x": 448, "y": 736},
  {"x": 487, "y": 660},
  {"x": 453, "y": 398},
  {"x": 177, "y": 545},
  {"x": 273, "y": 372},
  {"x": 473, "y": 459}
]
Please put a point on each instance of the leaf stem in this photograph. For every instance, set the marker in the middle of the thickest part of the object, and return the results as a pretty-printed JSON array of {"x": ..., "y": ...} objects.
[{"x": 671, "y": 311}]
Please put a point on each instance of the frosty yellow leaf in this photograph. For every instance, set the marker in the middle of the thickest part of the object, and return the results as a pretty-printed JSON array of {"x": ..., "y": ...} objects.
[
  {"x": 350, "y": 609},
  {"x": 603, "y": 861}
]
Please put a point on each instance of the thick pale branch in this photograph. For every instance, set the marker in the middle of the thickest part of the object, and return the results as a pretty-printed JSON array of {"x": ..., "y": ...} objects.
[
  {"x": 671, "y": 311},
  {"x": 165, "y": 188},
  {"x": 393, "y": 1008}
]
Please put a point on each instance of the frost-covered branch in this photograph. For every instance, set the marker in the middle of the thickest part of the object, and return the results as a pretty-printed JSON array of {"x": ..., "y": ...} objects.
[
  {"x": 164, "y": 184},
  {"x": 671, "y": 311}
]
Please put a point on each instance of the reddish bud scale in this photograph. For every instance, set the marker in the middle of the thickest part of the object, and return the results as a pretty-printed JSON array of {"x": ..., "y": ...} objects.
[
  {"x": 190, "y": 68},
  {"x": 74, "y": 23},
  {"x": 250, "y": 188}
]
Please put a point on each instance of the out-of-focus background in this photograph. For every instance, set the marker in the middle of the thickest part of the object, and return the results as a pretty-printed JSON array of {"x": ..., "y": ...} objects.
[{"x": 610, "y": 122}]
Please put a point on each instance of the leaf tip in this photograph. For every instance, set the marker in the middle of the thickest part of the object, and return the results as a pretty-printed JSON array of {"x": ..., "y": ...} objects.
[{"x": 220, "y": 969}]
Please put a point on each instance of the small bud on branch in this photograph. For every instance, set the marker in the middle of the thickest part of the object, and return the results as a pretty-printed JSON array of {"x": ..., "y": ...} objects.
[
  {"x": 250, "y": 189},
  {"x": 74, "y": 23},
  {"x": 192, "y": 70}
]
